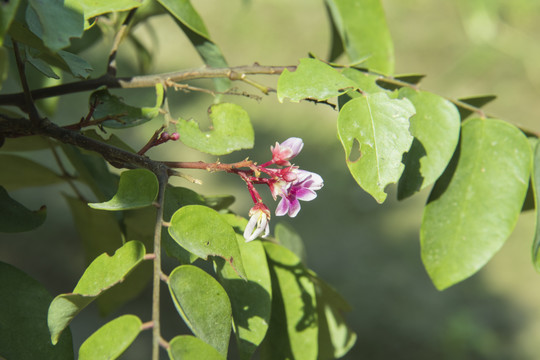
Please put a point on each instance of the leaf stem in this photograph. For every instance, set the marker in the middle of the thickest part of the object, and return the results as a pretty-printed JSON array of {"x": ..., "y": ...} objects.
[
  {"x": 122, "y": 32},
  {"x": 29, "y": 106}
]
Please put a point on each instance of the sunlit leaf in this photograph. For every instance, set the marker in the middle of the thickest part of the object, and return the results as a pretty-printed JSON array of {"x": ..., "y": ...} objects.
[
  {"x": 56, "y": 21},
  {"x": 336, "y": 338},
  {"x": 231, "y": 130},
  {"x": 187, "y": 347},
  {"x": 137, "y": 188},
  {"x": 364, "y": 33},
  {"x": 15, "y": 217},
  {"x": 535, "y": 177},
  {"x": 112, "y": 339},
  {"x": 312, "y": 79},
  {"x": 19, "y": 172},
  {"x": 23, "y": 319},
  {"x": 117, "y": 114},
  {"x": 175, "y": 198},
  {"x": 204, "y": 232},
  {"x": 289, "y": 238},
  {"x": 250, "y": 300},
  {"x": 203, "y": 304},
  {"x": 475, "y": 204},
  {"x": 293, "y": 331},
  {"x": 104, "y": 272},
  {"x": 374, "y": 131},
  {"x": 93, "y": 8},
  {"x": 364, "y": 81},
  {"x": 435, "y": 128}
]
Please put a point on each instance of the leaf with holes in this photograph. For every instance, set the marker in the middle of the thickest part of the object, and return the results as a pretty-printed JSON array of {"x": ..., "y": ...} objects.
[
  {"x": 374, "y": 131},
  {"x": 312, "y": 79},
  {"x": 474, "y": 206},
  {"x": 137, "y": 188},
  {"x": 231, "y": 131},
  {"x": 103, "y": 273}
]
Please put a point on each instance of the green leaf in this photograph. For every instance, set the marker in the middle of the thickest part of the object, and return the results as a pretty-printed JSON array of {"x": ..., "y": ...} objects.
[
  {"x": 364, "y": 81},
  {"x": 204, "y": 232},
  {"x": 175, "y": 198},
  {"x": 187, "y": 347},
  {"x": 364, "y": 33},
  {"x": 251, "y": 300},
  {"x": 219, "y": 202},
  {"x": 99, "y": 231},
  {"x": 93, "y": 171},
  {"x": 120, "y": 114},
  {"x": 7, "y": 13},
  {"x": 476, "y": 101},
  {"x": 193, "y": 26},
  {"x": 15, "y": 217},
  {"x": 336, "y": 338},
  {"x": 19, "y": 172},
  {"x": 55, "y": 21},
  {"x": 231, "y": 131},
  {"x": 186, "y": 13},
  {"x": 23, "y": 319},
  {"x": 138, "y": 224},
  {"x": 112, "y": 339},
  {"x": 203, "y": 304},
  {"x": 479, "y": 197},
  {"x": 312, "y": 79},
  {"x": 93, "y": 8},
  {"x": 435, "y": 128},
  {"x": 137, "y": 188},
  {"x": 296, "y": 335},
  {"x": 103, "y": 273},
  {"x": 377, "y": 127},
  {"x": 288, "y": 237},
  {"x": 535, "y": 177},
  {"x": 77, "y": 66}
]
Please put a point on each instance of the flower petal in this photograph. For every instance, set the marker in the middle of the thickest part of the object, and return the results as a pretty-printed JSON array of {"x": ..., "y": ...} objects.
[
  {"x": 305, "y": 194},
  {"x": 294, "y": 208},
  {"x": 283, "y": 207}
]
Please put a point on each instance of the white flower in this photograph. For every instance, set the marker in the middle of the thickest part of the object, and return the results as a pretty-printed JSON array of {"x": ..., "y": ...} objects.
[{"x": 258, "y": 222}]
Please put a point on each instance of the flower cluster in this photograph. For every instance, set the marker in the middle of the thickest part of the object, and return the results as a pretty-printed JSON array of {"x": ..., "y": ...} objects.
[{"x": 286, "y": 181}]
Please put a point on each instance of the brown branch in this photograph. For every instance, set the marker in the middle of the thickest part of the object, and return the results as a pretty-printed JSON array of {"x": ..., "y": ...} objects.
[
  {"x": 29, "y": 106},
  {"x": 111, "y": 62},
  {"x": 233, "y": 73}
]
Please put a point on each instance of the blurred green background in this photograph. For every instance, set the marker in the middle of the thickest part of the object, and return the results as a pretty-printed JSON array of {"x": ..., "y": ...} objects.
[{"x": 369, "y": 252}]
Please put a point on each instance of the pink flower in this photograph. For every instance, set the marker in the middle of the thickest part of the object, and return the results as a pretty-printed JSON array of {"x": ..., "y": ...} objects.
[
  {"x": 302, "y": 188},
  {"x": 282, "y": 153},
  {"x": 258, "y": 222}
]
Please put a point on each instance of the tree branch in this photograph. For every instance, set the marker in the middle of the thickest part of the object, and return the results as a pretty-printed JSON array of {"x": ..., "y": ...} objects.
[{"x": 233, "y": 73}]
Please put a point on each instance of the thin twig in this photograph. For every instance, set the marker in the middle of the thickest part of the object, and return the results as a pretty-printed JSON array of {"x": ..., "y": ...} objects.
[
  {"x": 29, "y": 105},
  {"x": 17, "y": 99},
  {"x": 111, "y": 63},
  {"x": 163, "y": 178}
]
